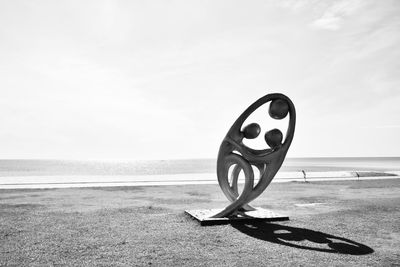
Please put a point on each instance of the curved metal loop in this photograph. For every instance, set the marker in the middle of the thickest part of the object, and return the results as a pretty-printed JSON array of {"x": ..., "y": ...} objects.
[
  {"x": 233, "y": 195},
  {"x": 268, "y": 161},
  {"x": 234, "y": 186},
  {"x": 235, "y": 135}
]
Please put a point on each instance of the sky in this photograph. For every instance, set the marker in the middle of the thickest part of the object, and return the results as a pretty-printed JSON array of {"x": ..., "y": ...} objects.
[{"x": 166, "y": 79}]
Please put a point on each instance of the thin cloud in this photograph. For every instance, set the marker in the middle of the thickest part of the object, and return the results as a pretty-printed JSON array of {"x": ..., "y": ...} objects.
[
  {"x": 394, "y": 126},
  {"x": 295, "y": 5},
  {"x": 334, "y": 15}
]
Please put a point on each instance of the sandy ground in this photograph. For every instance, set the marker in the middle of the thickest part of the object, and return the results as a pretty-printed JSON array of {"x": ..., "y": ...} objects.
[{"x": 343, "y": 223}]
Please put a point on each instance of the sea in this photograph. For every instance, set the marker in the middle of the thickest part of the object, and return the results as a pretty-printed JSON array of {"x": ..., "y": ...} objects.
[{"x": 44, "y": 167}]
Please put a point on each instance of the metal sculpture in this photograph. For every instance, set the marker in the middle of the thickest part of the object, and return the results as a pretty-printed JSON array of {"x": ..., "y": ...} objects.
[{"x": 234, "y": 154}]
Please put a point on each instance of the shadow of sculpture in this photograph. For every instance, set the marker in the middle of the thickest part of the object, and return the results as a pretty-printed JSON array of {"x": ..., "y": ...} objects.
[{"x": 302, "y": 238}]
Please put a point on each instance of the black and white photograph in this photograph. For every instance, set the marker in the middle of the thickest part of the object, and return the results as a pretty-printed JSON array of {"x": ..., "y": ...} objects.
[{"x": 199, "y": 133}]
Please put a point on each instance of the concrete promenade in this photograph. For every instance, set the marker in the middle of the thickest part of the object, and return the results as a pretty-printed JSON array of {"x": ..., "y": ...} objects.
[{"x": 76, "y": 181}]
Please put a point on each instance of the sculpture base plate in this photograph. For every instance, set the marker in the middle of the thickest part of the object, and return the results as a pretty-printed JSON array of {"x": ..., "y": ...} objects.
[{"x": 204, "y": 216}]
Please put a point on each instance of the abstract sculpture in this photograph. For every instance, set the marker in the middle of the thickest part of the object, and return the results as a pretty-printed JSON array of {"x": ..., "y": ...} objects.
[{"x": 234, "y": 155}]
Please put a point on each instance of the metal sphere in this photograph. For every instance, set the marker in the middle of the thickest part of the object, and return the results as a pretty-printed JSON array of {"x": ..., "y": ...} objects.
[
  {"x": 274, "y": 138},
  {"x": 251, "y": 131},
  {"x": 278, "y": 109}
]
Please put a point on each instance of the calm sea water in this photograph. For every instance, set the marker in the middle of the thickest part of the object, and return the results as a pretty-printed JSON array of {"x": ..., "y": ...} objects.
[{"x": 75, "y": 167}]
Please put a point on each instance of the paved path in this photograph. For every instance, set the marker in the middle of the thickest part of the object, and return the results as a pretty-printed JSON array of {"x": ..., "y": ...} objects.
[{"x": 175, "y": 179}]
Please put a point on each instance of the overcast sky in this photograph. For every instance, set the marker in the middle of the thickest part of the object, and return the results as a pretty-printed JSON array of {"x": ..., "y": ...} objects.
[{"x": 166, "y": 79}]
